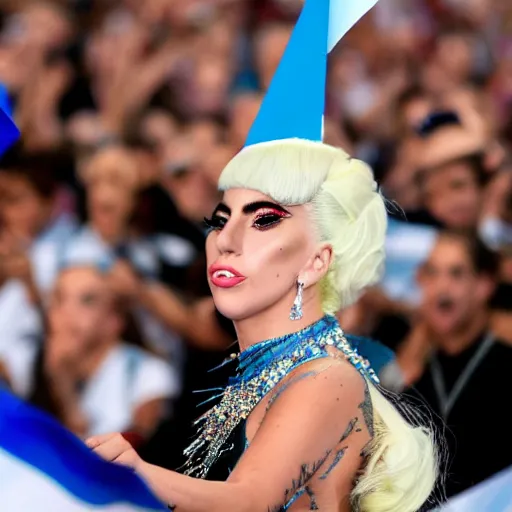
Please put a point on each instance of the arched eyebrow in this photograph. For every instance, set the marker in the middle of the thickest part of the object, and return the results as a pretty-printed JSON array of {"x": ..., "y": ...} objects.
[
  {"x": 259, "y": 205},
  {"x": 251, "y": 208},
  {"x": 221, "y": 207}
]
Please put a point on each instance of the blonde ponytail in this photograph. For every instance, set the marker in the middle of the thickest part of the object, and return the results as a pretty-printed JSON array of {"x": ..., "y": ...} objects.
[{"x": 402, "y": 465}]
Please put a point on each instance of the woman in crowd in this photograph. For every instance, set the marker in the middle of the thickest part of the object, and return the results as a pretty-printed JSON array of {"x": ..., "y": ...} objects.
[
  {"x": 298, "y": 235},
  {"x": 85, "y": 374}
]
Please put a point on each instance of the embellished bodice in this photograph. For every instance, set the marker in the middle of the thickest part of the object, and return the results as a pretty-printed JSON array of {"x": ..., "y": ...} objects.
[{"x": 221, "y": 430}]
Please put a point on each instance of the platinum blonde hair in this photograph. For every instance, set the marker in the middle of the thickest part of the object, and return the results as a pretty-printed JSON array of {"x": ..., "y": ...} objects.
[
  {"x": 349, "y": 214},
  {"x": 348, "y": 211}
]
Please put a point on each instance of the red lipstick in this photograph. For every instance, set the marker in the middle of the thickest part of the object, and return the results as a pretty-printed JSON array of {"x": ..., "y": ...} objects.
[{"x": 224, "y": 276}]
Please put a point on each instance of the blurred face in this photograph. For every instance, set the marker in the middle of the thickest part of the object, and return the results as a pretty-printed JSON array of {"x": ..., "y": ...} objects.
[
  {"x": 204, "y": 135},
  {"x": 191, "y": 189},
  {"x": 212, "y": 165},
  {"x": 452, "y": 291},
  {"x": 270, "y": 48},
  {"x": 115, "y": 166},
  {"x": 81, "y": 309},
  {"x": 244, "y": 111},
  {"x": 454, "y": 54},
  {"x": 453, "y": 195},
  {"x": 159, "y": 128},
  {"x": 211, "y": 83},
  {"x": 109, "y": 208},
  {"x": 22, "y": 210},
  {"x": 112, "y": 179},
  {"x": 256, "y": 252}
]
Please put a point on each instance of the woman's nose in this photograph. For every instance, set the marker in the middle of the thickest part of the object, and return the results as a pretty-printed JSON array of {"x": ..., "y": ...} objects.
[{"x": 229, "y": 240}]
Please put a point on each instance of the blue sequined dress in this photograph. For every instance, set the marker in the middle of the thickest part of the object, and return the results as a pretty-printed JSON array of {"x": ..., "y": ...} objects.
[{"x": 221, "y": 436}]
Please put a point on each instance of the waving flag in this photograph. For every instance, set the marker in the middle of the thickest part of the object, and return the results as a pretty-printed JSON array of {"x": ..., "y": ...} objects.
[
  {"x": 46, "y": 469},
  {"x": 343, "y": 15},
  {"x": 295, "y": 102},
  {"x": 493, "y": 495},
  {"x": 9, "y": 132}
]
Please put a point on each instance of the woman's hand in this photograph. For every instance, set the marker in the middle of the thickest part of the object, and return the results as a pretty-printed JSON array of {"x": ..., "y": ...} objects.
[
  {"x": 115, "y": 448},
  {"x": 125, "y": 281}
]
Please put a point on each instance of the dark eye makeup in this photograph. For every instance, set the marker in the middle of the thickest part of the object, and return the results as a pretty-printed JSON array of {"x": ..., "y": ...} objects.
[
  {"x": 266, "y": 215},
  {"x": 269, "y": 217},
  {"x": 215, "y": 223}
]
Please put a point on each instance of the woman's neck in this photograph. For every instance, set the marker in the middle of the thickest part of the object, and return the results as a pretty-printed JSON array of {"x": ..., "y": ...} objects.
[{"x": 273, "y": 324}]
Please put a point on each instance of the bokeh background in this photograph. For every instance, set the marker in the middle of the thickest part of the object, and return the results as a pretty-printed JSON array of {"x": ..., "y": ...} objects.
[{"x": 129, "y": 111}]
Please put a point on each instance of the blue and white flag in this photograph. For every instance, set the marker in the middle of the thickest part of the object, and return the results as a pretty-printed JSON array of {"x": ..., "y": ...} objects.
[
  {"x": 295, "y": 102},
  {"x": 493, "y": 495},
  {"x": 45, "y": 468},
  {"x": 9, "y": 132}
]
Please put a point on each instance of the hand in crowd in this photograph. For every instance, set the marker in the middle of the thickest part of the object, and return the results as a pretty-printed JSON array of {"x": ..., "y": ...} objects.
[
  {"x": 498, "y": 197},
  {"x": 413, "y": 353},
  {"x": 38, "y": 106},
  {"x": 15, "y": 262},
  {"x": 125, "y": 281}
]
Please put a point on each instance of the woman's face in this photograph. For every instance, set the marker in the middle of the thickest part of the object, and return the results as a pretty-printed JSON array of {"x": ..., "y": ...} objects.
[
  {"x": 109, "y": 208},
  {"x": 256, "y": 252},
  {"x": 80, "y": 309}
]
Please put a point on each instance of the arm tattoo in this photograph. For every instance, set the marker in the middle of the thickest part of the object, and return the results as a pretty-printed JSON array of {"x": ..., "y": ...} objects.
[
  {"x": 366, "y": 407},
  {"x": 302, "y": 486},
  {"x": 353, "y": 425}
]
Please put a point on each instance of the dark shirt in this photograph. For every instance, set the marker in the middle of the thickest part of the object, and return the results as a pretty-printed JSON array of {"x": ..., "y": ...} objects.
[
  {"x": 502, "y": 299},
  {"x": 166, "y": 446},
  {"x": 478, "y": 437}
]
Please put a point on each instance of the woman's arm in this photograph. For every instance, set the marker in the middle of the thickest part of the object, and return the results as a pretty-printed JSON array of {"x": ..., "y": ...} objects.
[{"x": 307, "y": 450}]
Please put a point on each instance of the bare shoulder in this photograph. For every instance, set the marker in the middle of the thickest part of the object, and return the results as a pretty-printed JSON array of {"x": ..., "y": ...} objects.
[
  {"x": 327, "y": 388},
  {"x": 330, "y": 376},
  {"x": 316, "y": 424}
]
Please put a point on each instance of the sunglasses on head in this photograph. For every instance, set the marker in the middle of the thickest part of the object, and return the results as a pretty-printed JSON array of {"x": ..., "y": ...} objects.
[{"x": 435, "y": 121}]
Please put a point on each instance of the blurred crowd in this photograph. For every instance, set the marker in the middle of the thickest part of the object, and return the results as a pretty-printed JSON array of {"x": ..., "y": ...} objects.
[{"x": 130, "y": 110}]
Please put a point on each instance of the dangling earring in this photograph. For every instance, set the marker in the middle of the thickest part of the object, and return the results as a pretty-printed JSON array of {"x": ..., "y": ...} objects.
[{"x": 296, "y": 313}]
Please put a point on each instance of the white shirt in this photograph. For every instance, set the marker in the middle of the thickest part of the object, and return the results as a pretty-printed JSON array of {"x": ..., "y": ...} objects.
[
  {"x": 127, "y": 378},
  {"x": 21, "y": 325}
]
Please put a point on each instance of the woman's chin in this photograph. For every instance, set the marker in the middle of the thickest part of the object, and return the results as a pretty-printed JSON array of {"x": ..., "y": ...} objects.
[{"x": 234, "y": 312}]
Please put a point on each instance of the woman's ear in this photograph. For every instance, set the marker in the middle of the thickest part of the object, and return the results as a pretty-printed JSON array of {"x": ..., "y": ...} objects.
[{"x": 318, "y": 266}]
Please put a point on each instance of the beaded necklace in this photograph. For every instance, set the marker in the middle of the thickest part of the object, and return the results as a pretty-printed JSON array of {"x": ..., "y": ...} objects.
[{"x": 260, "y": 368}]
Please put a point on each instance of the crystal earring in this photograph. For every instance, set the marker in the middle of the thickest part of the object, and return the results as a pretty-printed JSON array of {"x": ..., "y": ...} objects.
[{"x": 296, "y": 313}]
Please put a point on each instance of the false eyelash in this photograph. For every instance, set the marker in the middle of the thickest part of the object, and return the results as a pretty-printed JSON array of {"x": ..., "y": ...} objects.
[
  {"x": 215, "y": 223},
  {"x": 266, "y": 221}
]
